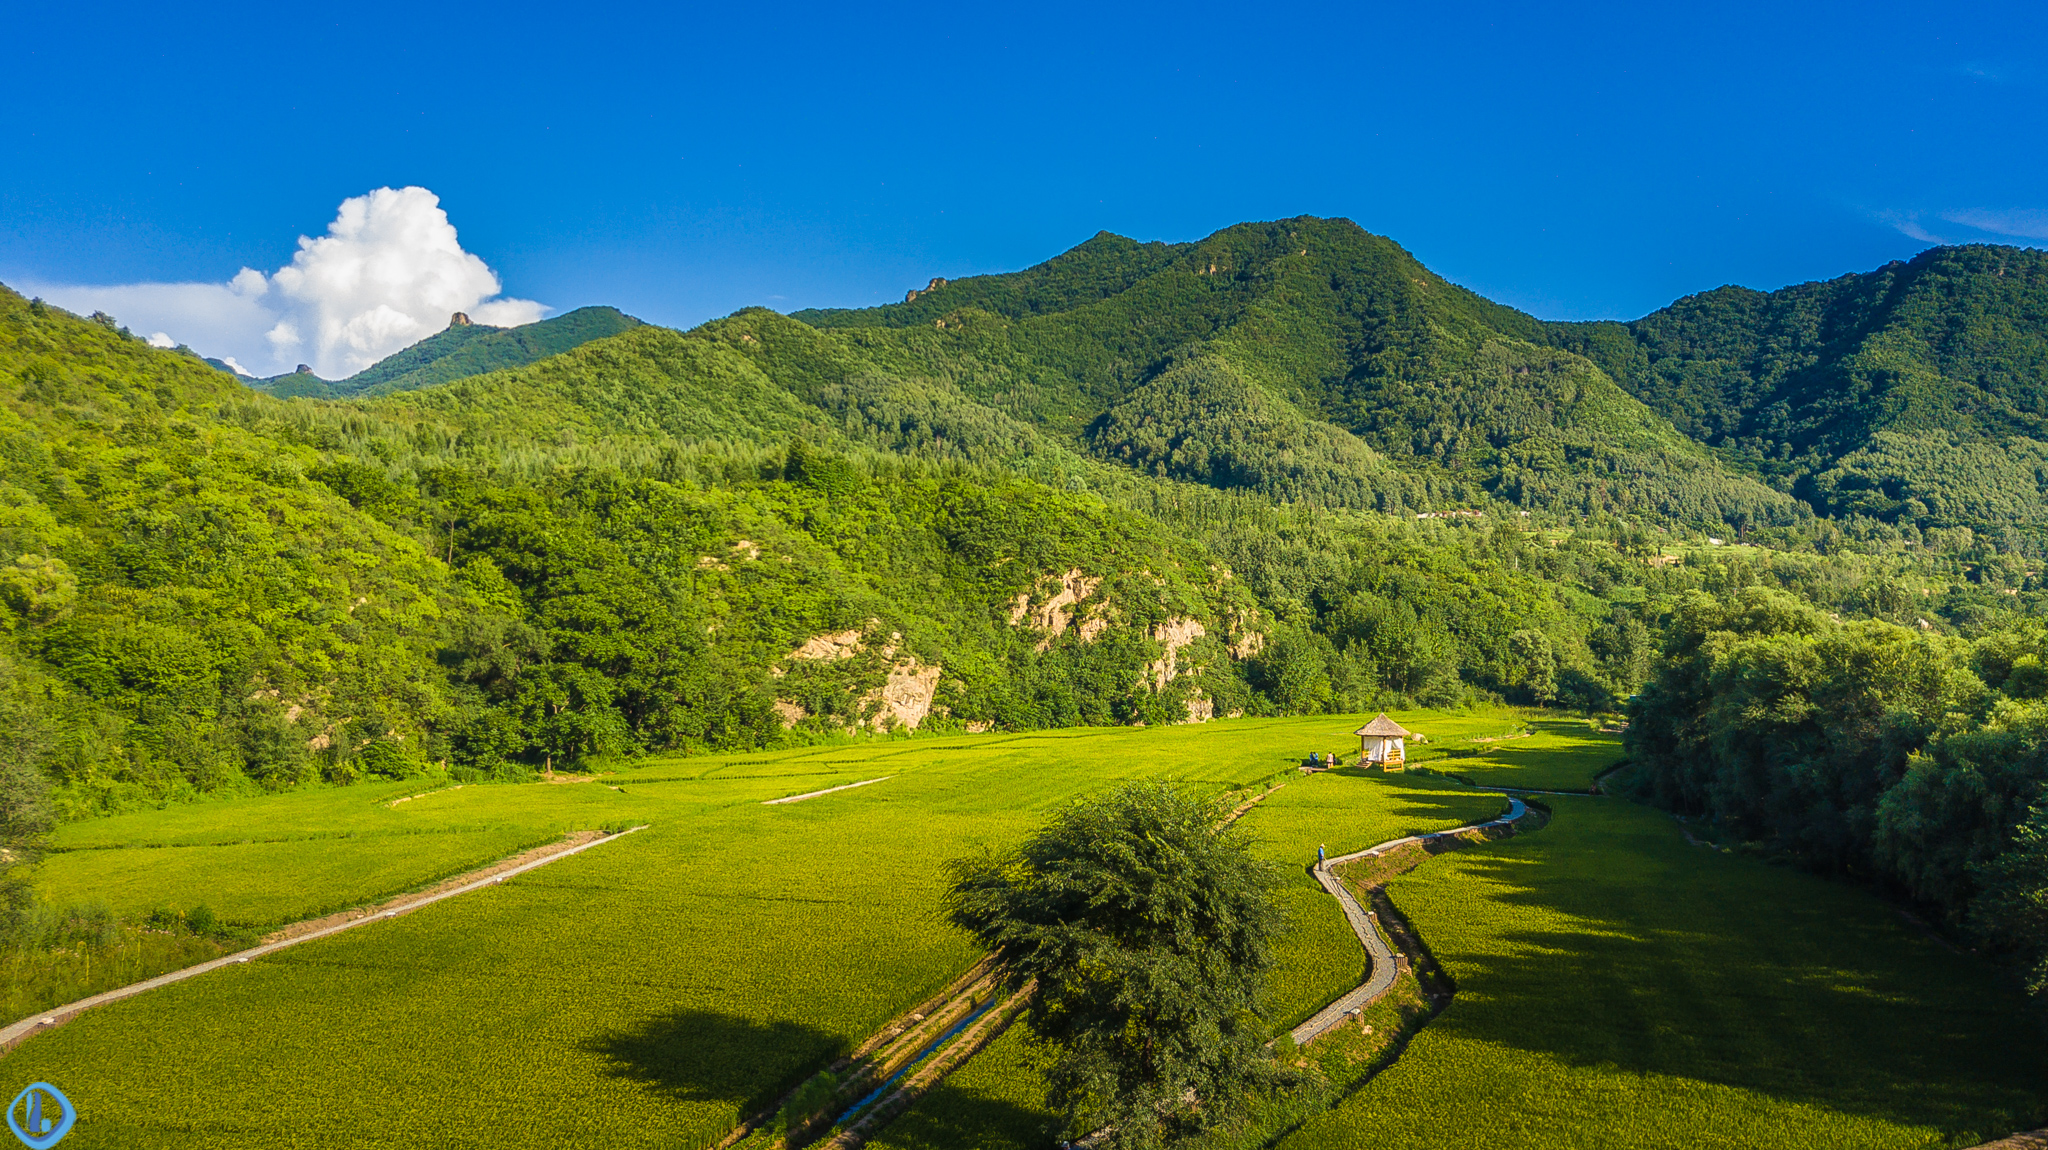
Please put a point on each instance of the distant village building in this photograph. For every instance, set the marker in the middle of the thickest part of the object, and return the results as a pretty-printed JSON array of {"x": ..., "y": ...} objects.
[{"x": 1385, "y": 742}]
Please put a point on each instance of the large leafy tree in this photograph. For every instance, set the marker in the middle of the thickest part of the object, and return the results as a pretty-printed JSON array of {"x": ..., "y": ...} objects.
[
  {"x": 1148, "y": 926},
  {"x": 2013, "y": 908}
]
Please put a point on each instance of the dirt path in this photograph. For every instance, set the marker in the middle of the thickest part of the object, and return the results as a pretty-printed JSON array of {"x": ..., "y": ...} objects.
[
  {"x": 518, "y": 862},
  {"x": 297, "y": 933},
  {"x": 826, "y": 791},
  {"x": 2028, "y": 1140},
  {"x": 1384, "y": 970}
]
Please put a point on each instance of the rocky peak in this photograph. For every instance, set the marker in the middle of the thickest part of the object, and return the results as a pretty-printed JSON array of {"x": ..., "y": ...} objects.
[{"x": 937, "y": 283}]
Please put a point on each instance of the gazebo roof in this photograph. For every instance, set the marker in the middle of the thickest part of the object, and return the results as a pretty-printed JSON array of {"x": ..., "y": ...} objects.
[{"x": 1383, "y": 728}]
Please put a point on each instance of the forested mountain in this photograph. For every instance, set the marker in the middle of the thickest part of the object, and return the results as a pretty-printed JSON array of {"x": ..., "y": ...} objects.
[
  {"x": 1291, "y": 358},
  {"x": 1916, "y": 393},
  {"x": 647, "y": 543},
  {"x": 458, "y": 350},
  {"x": 466, "y": 349},
  {"x": 1284, "y": 469}
]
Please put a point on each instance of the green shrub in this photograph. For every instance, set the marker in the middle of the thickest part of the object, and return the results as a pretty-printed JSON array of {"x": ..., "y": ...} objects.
[{"x": 809, "y": 1098}]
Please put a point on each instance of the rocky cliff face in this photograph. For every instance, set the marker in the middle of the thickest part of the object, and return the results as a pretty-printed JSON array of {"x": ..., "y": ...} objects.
[
  {"x": 1175, "y": 634},
  {"x": 1055, "y": 612},
  {"x": 905, "y": 697}
]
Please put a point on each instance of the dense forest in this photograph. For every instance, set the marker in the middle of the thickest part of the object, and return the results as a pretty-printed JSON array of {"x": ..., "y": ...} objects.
[
  {"x": 1917, "y": 393},
  {"x": 458, "y": 350},
  {"x": 1282, "y": 470}
]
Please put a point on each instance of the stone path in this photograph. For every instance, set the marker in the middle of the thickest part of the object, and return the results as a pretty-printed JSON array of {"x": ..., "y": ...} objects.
[
  {"x": 1380, "y": 976},
  {"x": 14, "y": 1035}
]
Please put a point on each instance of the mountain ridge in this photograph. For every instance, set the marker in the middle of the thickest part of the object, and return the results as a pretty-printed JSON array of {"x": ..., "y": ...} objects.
[
  {"x": 1338, "y": 367},
  {"x": 1873, "y": 393},
  {"x": 1349, "y": 336},
  {"x": 460, "y": 350}
]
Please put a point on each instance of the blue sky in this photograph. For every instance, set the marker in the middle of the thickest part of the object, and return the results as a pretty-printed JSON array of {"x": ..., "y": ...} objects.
[{"x": 681, "y": 163}]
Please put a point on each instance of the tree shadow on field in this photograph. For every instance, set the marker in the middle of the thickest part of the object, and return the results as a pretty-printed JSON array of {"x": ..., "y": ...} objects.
[
  {"x": 1609, "y": 943},
  {"x": 952, "y": 1117},
  {"x": 703, "y": 1056},
  {"x": 1524, "y": 762}
]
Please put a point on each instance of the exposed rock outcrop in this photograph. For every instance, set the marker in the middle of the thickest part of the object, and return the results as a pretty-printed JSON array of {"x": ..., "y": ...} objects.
[
  {"x": 823, "y": 648},
  {"x": 911, "y": 295},
  {"x": 1056, "y": 613},
  {"x": 1176, "y": 633},
  {"x": 905, "y": 697},
  {"x": 1244, "y": 641}
]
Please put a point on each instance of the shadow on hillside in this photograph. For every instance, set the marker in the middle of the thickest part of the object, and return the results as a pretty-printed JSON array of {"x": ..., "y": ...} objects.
[
  {"x": 1626, "y": 950},
  {"x": 702, "y": 1056}
]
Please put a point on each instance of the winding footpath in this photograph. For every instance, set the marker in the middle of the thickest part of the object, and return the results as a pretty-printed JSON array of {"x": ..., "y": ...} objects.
[{"x": 1380, "y": 977}]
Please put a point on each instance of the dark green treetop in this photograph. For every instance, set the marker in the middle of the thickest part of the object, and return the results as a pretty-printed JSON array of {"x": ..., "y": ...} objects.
[{"x": 1149, "y": 929}]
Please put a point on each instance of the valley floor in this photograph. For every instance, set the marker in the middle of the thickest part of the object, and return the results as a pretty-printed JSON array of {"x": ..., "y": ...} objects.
[{"x": 1616, "y": 986}]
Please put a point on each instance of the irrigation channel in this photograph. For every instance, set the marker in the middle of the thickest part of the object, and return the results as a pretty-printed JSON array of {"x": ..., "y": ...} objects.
[
  {"x": 846, "y": 1103},
  {"x": 921, "y": 1055},
  {"x": 842, "y": 1106}
]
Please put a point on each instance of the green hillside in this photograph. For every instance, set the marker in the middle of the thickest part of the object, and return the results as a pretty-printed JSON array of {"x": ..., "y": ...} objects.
[
  {"x": 1281, "y": 471},
  {"x": 472, "y": 349},
  {"x": 458, "y": 350},
  {"x": 1301, "y": 359},
  {"x": 1916, "y": 393},
  {"x": 618, "y": 550}
]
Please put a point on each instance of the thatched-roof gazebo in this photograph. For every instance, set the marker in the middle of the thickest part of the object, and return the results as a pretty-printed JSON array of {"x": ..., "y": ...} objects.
[{"x": 1383, "y": 741}]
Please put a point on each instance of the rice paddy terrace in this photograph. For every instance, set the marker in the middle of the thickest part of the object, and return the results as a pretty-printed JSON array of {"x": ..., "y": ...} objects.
[{"x": 1614, "y": 984}]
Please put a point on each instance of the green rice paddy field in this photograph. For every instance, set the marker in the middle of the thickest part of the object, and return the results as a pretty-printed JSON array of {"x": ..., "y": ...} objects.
[
  {"x": 647, "y": 992},
  {"x": 1617, "y": 987},
  {"x": 1688, "y": 998}
]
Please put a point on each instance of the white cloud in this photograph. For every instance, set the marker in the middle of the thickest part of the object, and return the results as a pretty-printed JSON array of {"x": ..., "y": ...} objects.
[
  {"x": 1908, "y": 223},
  {"x": 387, "y": 274},
  {"x": 2027, "y": 223},
  {"x": 161, "y": 339},
  {"x": 1972, "y": 225},
  {"x": 239, "y": 369}
]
